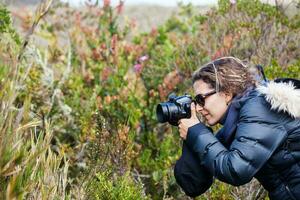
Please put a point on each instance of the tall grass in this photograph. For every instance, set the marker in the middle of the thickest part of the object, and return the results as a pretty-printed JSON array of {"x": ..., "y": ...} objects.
[{"x": 29, "y": 168}]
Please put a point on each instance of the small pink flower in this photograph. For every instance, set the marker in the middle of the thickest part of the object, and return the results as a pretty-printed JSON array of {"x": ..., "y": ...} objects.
[
  {"x": 106, "y": 3},
  {"x": 120, "y": 7},
  {"x": 137, "y": 68},
  {"x": 233, "y": 1},
  {"x": 143, "y": 58}
]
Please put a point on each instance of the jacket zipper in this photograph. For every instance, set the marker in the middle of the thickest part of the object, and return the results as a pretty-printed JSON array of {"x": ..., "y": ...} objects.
[{"x": 289, "y": 192}]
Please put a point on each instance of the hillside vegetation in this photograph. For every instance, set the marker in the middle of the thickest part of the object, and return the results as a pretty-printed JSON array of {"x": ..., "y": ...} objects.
[{"x": 78, "y": 113}]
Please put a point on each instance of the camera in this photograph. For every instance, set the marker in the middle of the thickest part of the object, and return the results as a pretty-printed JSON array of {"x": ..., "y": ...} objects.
[{"x": 175, "y": 109}]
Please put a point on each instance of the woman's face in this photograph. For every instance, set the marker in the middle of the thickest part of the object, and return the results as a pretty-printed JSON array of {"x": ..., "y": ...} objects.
[{"x": 215, "y": 105}]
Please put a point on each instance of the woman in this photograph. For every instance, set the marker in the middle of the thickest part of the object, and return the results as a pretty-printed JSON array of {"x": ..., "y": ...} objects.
[{"x": 260, "y": 136}]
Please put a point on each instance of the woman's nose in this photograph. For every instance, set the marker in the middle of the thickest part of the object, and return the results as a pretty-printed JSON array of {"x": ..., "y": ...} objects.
[{"x": 199, "y": 108}]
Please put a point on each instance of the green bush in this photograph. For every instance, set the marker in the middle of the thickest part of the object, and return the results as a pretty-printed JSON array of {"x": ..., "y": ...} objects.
[{"x": 106, "y": 187}]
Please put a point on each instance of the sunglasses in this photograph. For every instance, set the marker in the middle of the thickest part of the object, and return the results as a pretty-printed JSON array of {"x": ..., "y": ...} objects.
[{"x": 200, "y": 98}]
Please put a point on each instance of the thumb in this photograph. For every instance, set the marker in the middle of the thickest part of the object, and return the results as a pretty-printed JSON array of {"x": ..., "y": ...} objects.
[{"x": 193, "y": 110}]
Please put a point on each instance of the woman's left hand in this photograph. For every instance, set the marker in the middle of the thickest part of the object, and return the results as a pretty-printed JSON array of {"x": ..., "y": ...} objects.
[{"x": 185, "y": 124}]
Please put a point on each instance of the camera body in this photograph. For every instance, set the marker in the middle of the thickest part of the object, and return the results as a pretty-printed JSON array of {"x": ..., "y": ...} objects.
[{"x": 175, "y": 109}]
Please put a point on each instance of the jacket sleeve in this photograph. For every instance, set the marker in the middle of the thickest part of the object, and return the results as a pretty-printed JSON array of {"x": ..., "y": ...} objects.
[
  {"x": 255, "y": 141},
  {"x": 190, "y": 175}
]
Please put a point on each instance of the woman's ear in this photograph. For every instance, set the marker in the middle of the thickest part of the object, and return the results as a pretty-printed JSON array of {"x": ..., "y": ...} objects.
[{"x": 228, "y": 97}]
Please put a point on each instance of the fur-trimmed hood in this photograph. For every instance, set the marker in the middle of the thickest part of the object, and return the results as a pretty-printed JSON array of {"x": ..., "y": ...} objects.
[{"x": 282, "y": 97}]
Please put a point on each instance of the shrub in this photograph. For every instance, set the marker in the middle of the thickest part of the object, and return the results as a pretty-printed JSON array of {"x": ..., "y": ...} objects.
[{"x": 106, "y": 187}]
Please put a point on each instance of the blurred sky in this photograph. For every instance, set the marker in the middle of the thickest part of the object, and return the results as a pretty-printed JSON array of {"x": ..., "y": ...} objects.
[{"x": 151, "y": 2}]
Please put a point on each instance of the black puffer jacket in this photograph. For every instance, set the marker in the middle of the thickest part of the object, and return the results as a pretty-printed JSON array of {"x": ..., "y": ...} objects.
[{"x": 265, "y": 144}]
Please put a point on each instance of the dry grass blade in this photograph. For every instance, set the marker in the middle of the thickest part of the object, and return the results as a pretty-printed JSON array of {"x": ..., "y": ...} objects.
[
  {"x": 41, "y": 11},
  {"x": 29, "y": 125}
]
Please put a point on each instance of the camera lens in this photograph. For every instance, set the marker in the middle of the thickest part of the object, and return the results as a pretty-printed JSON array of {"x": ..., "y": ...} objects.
[
  {"x": 162, "y": 112},
  {"x": 167, "y": 112}
]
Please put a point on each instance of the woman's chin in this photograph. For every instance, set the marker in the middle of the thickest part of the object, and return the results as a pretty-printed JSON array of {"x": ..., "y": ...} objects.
[{"x": 211, "y": 121}]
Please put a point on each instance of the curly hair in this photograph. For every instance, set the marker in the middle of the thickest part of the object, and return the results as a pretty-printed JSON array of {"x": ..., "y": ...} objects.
[{"x": 226, "y": 74}]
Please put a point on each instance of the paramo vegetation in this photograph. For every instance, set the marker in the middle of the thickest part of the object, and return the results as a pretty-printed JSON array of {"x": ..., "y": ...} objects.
[{"x": 78, "y": 114}]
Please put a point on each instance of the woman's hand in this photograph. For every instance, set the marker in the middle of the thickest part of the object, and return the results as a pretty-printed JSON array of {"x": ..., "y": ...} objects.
[{"x": 185, "y": 124}]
